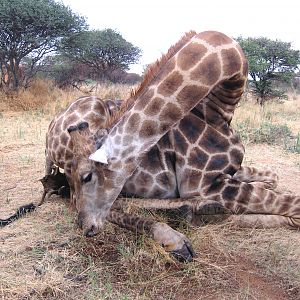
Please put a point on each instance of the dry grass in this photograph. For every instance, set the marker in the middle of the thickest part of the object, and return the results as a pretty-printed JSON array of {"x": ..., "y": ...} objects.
[
  {"x": 40, "y": 94},
  {"x": 277, "y": 123},
  {"x": 276, "y": 112},
  {"x": 45, "y": 256},
  {"x": 44, "y": 96}
]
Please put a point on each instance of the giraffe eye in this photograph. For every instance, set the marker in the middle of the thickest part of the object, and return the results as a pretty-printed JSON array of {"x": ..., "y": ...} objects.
[{"x": 87, "y": 177}]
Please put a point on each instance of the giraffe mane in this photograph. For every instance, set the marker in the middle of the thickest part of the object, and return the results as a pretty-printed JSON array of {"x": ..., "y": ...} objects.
[{"x": 150, "y": 74}]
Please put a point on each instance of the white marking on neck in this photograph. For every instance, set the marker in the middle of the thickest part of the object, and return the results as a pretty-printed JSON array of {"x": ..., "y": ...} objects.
[
  {"x": 104, "y": 153},
  {"x": 100, "y": 155}
]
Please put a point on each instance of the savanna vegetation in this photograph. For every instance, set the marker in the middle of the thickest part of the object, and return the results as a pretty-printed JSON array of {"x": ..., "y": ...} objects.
[
  {"x": 44, "y": 38},
  {"x": 45, "y": 256},
  {"x": 272, "y": 67},
  {"x": 30, "y": 31}
]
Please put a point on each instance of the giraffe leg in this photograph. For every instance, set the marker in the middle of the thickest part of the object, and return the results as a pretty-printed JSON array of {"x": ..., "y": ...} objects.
[
  {"x": 208, "y": 212},
  {"x": 194, "y": 203},
  {"x": 263, "y": 221},
  {"x": 50, "y": 169},
  {"x": 63, "y": 191},
  {"x": 171, "y": 240},
  {"x": 243, "y": 198},
  {"x": 47, "y": 195},
  {"x": 199, "y": 211},
  {"x": 48, "y": 165},
  {"x": 54, "y": 183},
  {"x": 43, "y": 198},
  {"x": 265, "y": 178},
  {"x": 55, "y": 170}
]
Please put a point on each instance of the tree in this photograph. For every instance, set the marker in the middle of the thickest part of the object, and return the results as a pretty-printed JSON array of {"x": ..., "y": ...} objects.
[
  {"x": 105, "y": 51},
  {"x": 270, "y": 62},
  {"x": 29, "y": 31},
  {"x": 66, "y": 73}
]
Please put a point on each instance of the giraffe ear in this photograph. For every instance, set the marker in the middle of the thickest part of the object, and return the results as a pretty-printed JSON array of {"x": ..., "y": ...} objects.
[{"x": 100, "y": 155}]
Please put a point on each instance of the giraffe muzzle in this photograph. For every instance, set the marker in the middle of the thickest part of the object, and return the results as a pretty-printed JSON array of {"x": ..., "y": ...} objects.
[{"x": 89, "y": 224}]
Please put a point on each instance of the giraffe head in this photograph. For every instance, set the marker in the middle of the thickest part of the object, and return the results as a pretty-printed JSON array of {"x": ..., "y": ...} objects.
[{"x": 88, "y": 176}]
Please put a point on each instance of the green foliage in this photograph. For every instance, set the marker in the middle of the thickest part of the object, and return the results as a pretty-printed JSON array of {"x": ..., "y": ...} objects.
[
  {"x": 29, "y": 30},
  {"x": 104, "y": 51},
  {"x": 73, "y": 73},
  {"x": 270, "y": 62},
  {"x": 65, "y": 72},
  {"x": 293, "y": 145},
  {"x": 267, "y": 132}
]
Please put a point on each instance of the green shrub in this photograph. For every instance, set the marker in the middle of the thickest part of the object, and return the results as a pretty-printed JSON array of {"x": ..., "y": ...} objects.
[
  {"x": 293, "y": 145},
  {"x": 267, "y": 132}
]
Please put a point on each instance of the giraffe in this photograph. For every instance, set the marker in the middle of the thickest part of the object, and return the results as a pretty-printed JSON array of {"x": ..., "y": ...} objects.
[
  {"x": 172, "y": 138},
  {"x": 59, "y": 147}
]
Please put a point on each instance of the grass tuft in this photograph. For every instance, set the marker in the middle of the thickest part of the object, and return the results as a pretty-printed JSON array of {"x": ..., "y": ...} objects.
[
  {"x": 273, "y": 124},
  {"x": 43, "y": 97}
]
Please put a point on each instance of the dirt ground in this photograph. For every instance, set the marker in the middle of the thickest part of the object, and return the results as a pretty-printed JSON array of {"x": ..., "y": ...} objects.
[{"x": 45, "y": 256}]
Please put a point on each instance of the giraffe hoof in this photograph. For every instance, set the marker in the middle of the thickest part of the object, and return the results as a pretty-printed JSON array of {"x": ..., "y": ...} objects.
[{"x": 185, "y": 254}]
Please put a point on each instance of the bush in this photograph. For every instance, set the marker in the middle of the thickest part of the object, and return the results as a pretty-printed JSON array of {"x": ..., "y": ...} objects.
[
  {"x": 293, "y": 145},
  {"x": 267, "y": 132}
]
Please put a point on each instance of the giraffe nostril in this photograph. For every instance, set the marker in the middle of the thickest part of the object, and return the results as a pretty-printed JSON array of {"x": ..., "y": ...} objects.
[{"x": 91, "y": 232}]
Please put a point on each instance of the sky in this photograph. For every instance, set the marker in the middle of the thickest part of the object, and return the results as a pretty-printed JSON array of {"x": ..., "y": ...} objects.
[{"x": 155, "y": 25}]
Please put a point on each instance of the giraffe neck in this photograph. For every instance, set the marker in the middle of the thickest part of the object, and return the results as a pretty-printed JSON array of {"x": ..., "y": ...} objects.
[{"x": 206, "y": 61}]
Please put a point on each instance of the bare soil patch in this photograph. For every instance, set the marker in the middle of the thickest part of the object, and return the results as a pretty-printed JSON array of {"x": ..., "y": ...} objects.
[{"x": 45, "y": 256}]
